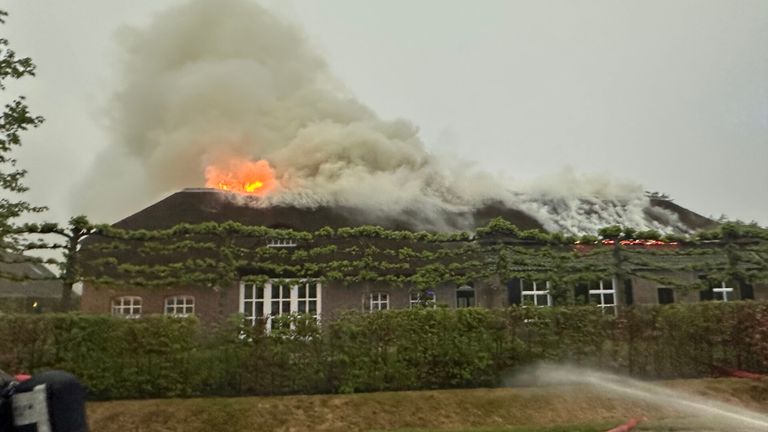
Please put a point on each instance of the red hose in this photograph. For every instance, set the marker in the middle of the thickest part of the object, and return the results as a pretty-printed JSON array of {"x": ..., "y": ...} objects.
[
  {"x": 737, "y": 373},
  {"x": 626, "y": 427}
]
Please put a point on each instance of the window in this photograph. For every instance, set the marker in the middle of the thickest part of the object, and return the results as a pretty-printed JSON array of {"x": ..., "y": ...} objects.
[
  {"x": 721, "y": 292},
  {"x": 278, "y": 243},
  {"x": 603, "y": 294},
  {"x": 465, "y": 296},
  {"x": 180, "y": 306},
  {"x": 581, "y": 293},
  {"x": 379, "y": 301},
  {"x": 307, "y": 298},
  {"x": 423, "y": 298},
  {"x": 666, "y": 295},
  {"x": 281, "y": 299},
  {"x": 535, "y": 293},
  {"x": 264, "y": 302},
  {"x": 127, "y": 306},
  {"x": 716, "y": 291},
  {"x": 747, "y": 291},
  {"x": 252, "y": 301},
  {"x": 705, "y": 294},
  {"x": 629, "y": 292}
]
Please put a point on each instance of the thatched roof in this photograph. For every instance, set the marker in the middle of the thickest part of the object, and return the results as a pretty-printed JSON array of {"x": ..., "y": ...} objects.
[{"x": 211, "y": 205}]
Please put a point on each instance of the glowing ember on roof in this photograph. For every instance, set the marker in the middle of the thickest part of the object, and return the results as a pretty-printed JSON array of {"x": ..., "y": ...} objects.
[{"x": 242, "y": 176}]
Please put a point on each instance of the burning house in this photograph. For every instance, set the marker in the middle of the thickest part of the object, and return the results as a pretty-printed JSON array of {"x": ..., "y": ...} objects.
[{"x": 297, "y": 169}]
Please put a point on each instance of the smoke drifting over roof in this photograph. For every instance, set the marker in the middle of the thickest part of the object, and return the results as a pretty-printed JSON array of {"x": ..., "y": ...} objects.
[{"x": 209, "y": 82}]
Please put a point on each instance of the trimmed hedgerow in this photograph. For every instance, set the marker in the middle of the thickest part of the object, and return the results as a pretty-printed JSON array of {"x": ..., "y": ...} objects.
[{"x": 420, "y": 348}]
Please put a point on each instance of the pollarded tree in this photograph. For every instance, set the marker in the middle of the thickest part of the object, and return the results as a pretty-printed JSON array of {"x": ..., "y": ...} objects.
[{"x": 15, "y": 119}]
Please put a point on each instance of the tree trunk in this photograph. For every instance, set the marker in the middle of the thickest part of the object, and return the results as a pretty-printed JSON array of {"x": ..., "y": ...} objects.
[{"x": 66, "y": 296}]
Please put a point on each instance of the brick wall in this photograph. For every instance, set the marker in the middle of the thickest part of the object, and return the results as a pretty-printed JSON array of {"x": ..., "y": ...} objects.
[
  {"x": 338, "y": 296},
  {"x": 211, "y": 305}
]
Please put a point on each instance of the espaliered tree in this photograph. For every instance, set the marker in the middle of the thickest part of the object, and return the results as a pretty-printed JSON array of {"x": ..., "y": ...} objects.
[
  {"x": 743, "y": 250},
  {"x": 67, "y": 240},
  {"x": 216, "y": 254},
  {"x": 210, "y": 253}
]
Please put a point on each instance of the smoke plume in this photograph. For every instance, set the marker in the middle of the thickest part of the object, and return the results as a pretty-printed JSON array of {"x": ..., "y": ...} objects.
[{"x": 209, "y": 82}]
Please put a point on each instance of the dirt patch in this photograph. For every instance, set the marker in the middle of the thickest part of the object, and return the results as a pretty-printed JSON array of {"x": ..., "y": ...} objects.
[{"x": 444, "y": 409}]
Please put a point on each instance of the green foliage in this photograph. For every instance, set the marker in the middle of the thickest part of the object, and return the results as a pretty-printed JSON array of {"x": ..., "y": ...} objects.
[
  {"x": 419, "y": 348},
  {"x": 648, "y": 235},
  {"x": 415, "y": 349},
  {"x": 14, "y": 120},
  {"x": 212, "y": 254}
]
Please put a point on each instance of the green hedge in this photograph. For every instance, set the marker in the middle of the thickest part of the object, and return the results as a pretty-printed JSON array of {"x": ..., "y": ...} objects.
[{"x": 392, "y": 350}]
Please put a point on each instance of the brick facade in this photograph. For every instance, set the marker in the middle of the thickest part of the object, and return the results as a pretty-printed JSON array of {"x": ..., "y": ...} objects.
[
  {"x": 214, "y": 305},
  {"x": 211, "y": 305}
]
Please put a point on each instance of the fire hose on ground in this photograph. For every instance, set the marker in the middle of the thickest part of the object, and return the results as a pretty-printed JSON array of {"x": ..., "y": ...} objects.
[
  {"x": 626, "y": 427},
  {"x": 737, "y": 373}
]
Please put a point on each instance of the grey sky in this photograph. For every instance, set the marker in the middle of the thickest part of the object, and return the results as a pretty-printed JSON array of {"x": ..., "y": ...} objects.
[{"x": 670, "y": 94}]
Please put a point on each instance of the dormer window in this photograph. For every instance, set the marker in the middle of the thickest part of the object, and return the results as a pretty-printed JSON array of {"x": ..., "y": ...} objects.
[{"x": 281, "y": 243}]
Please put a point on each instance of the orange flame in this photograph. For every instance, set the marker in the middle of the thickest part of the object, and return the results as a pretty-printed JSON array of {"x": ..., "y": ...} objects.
[{"x": 242, "y": 176}]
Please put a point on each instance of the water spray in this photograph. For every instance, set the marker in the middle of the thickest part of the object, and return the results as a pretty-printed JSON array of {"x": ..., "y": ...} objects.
[{"x": 727, "y": 416}]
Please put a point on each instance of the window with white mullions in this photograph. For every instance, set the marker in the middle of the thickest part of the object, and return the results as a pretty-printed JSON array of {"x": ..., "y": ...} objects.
[
  {"x": 535, "y": 293},
  {"x": 379, "y": 301},
  {"x": 252, "y": 303},
  {"x": 264, "y": 302},
  {"x": 721, "y": 292},
  {"x": 603, "y": 294},
  {"x": 280, "y": 299},
  {"x": 280, "y": 303},
  {"x": 180, "y": 306},
  {"x": 307, "y": 299},
  {"x": 127, "y": 306}
]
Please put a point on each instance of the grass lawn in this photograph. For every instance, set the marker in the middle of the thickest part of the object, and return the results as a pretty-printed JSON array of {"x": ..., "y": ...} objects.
[
  {"x": 532, "y": 409},
  {"x": 570, "y": 428}
]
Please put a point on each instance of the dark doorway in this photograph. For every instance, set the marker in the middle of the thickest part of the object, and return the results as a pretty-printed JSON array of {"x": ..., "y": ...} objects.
[
  {"x": 747, "y": 291},
  {"x": 465, "y": 296},
  {"x": 629, "y": 292},
  {"x": 514, "y": 292}
]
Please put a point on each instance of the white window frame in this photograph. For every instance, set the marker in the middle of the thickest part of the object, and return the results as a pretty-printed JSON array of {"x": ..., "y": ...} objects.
[
  {"x": 281, "y": 243},
  {"x": 378, "y": 301},
  {"x": 602, "y": 291},
  {"x": 304, "y": 302},
  {"x": 415, "y": 299},
  {"x": 535, "y": 292},
  {"x": 248, "y": 307},
  {"x": 179, "y": 305},
  {"x": 723, "y": 291},
  {"x": 132, "y": 304}
]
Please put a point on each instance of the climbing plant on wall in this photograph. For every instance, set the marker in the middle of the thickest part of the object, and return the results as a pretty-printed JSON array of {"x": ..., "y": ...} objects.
[{"x": 217, "y": 254}]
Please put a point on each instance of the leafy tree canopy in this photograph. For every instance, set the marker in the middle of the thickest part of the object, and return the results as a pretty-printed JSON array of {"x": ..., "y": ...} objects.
[{"x": 14, "y": 120}]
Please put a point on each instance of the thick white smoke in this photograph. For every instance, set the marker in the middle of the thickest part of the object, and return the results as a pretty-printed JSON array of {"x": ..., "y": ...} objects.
[{"x": 209, "y": 81}]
